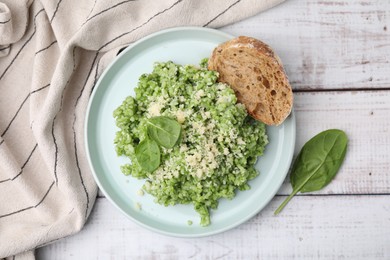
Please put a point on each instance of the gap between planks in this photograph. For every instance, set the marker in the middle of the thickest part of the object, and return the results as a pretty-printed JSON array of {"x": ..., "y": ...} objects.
[{"x": 340, "y": 90}]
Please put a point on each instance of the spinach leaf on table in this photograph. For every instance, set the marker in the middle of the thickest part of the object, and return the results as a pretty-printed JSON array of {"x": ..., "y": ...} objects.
[
  {"x": 164, "y": 130},
  {"x": 317, "y": 163},
  {"x": 148, "y": 155}
]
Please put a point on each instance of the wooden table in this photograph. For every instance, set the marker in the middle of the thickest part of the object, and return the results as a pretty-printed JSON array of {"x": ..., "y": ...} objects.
[{"x": 337, "y": 56}]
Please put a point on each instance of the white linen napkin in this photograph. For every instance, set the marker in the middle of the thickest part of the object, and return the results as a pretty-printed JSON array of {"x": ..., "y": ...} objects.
[{"x": 51, "y": 54}]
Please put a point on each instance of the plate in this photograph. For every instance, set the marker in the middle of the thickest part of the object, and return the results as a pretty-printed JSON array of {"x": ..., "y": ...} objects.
[{"x": 183, "y": 45}]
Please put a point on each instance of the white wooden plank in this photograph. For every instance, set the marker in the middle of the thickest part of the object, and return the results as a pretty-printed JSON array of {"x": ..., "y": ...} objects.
[
  {"x": 311, "y": 227},
  {"x": 365, "y": 116},
  {"x": 324, "y": 45},
  {"x": 327, "y": 44}
]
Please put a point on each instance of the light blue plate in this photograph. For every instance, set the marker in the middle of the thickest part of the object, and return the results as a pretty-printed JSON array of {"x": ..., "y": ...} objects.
[{"x": 186, "y": 45}]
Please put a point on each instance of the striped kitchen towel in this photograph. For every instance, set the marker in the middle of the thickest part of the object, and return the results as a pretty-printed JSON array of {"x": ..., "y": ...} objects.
[{"x": 51, "y": 54}]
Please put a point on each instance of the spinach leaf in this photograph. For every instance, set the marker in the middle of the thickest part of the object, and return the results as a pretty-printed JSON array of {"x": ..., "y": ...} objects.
[
  {"x": 317, "y": 163},
  {"x": 164, "y": 130},
  {"x": 148, "y": 156}
]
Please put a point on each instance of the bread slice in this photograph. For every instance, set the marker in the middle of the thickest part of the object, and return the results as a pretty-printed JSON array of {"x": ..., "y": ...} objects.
[{"x": 256, "y": 75}]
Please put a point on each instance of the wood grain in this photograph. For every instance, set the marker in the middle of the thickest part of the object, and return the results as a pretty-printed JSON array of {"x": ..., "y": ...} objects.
[
  {"x": 330, "y": 49},
  {"x": 365, "y": 117},
  {"x": 337, "y": 44},
  {"x": 331, "y": 227}
]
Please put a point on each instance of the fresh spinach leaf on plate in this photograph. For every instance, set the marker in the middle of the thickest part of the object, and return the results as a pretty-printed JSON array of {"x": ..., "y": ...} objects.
[
  {"x": 164, "y": 130},
  {"x": 317, "y": 163},
  {"x": 148, "y": 155}
]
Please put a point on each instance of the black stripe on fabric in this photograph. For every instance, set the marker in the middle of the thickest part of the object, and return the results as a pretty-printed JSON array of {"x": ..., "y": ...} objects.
[
  {"x": 56, "y": 150},
  {"x": 140, "y": 26},
  {"x": 20, "y": 107},
  {"x": 224, "y": 11},
  {"x": 74, "y": 58},
  {"x": 28, "y": 159},
  {"x": 41, "y": 50},
  {"x": 55, "y": 11},
  {"x": 2, "y": 49},
  {"x": 107, "y": 9},
  {"x": 4, "y": 22},
  {"x": 86, "y": 80},
  {"x": 39, "y": 89},
  {"x": 90, "y": 12},
  {"x": 1, "y": 142},
  {"x": 31, "y": 207},
  {"x": 74, "y": 136},
  {"x": 24, "y": 45},
  {"x": 24, "y": 165},
  {"x": 96, "y": 72},
  {"x": 78, "y": 167},
  {"x": 17, "y": 54},
  {"x": 95, "y": 78},
  {"x": 55, "y": 117},
  {"x": 67, "y": 82},
  {"x": 54, "y": 138},
  {"x": 17, "y": 112}
]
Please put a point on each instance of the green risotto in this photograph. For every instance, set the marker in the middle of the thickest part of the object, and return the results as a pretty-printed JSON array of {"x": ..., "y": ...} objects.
[{"x": 218, "y": 145}]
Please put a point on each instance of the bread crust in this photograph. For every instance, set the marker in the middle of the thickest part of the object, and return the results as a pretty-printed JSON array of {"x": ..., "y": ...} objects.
[{"x": 257, "y": 76}]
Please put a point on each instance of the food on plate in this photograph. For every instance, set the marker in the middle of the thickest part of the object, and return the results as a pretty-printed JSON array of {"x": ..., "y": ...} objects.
[
  {"x": 257, "y": 76},
  {"x": 209, "y": 158}
]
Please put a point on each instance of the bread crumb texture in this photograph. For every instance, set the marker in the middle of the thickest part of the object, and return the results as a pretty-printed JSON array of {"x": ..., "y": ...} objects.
[{"x": 256, "y": 75}]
